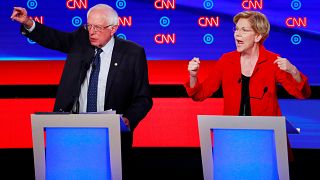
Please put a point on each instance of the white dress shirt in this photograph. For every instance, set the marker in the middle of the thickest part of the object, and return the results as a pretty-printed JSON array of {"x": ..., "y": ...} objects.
[{"x": 102, "y": 82}]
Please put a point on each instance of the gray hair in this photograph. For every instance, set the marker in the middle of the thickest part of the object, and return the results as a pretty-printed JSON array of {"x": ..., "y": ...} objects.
[{"x": 110, "y": 14}]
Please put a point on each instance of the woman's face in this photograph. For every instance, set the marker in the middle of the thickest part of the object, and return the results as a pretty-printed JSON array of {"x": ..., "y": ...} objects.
[{"x": 245, "y": 37}]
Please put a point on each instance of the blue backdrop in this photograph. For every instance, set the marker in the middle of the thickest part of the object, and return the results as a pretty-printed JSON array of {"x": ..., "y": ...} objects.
[{"x": 151, "y": 21}]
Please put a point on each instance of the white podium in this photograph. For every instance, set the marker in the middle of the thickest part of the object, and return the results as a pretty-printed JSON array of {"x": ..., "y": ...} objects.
[
  {"x": 243, "y": 147},
  {"x": 76, "y": 146}
]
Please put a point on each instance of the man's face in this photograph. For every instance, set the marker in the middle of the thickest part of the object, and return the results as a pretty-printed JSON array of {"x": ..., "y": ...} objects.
[{"x": 100, "y": 32}]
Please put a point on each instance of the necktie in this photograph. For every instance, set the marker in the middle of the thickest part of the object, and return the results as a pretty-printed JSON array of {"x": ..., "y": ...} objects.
[{"x": 93, "y": 83}]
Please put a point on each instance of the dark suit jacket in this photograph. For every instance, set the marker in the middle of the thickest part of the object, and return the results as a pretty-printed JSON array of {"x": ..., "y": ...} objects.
[{"x": 127, "y": 89}]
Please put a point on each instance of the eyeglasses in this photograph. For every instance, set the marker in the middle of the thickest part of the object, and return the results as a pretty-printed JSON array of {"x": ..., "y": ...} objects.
[
  {"x": 242, "y": 30},
  {"x": 95, "y": 28}
]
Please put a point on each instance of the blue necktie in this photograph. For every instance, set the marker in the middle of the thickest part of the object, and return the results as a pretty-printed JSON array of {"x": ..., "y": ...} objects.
[{"x": 93, "y": 83}]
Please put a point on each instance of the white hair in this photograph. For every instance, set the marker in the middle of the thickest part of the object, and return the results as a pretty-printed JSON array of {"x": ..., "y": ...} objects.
[{"x": 110, "y": 14}]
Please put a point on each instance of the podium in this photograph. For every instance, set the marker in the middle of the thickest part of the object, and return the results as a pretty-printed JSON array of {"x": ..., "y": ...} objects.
[
  {"x": 77, "y": 146},
  {"x": 243, "y": 147}
]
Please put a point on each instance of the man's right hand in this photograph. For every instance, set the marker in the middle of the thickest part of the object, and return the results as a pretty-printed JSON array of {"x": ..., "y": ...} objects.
[
  {"x": 194, "y": 66},
  {"x": 20, "y": 14}
]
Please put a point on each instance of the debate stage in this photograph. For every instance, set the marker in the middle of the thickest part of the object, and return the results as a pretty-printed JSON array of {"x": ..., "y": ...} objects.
[
  {"x": 158, "y": 163},
  {"x": 166, "y": 141}
]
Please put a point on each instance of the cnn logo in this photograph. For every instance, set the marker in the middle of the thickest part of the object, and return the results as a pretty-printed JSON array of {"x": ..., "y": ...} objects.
[
  {"x": 165, "y": 38},
  {"x": 77, "y": 4},
  {"x": 252, "y": 4},
  {"x": 165, "y": 4},
  {"x": 209, "y": 21},
  {"x": 292, "y": 22}
]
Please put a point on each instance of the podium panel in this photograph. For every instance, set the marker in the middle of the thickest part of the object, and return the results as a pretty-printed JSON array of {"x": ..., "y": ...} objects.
[
  {"x": 77, "y": 146},
  {"x": 243, "y": 147}
]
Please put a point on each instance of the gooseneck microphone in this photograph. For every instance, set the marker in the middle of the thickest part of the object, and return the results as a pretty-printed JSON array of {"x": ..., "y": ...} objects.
[
  {"x": 86, "y": 65},
  {"x": 265, "y": 90},
  {"x": 93, "y": 61}
]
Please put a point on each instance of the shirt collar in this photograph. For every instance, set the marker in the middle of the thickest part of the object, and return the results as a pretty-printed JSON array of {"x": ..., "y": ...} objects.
[{"x": 109, "y": 46}]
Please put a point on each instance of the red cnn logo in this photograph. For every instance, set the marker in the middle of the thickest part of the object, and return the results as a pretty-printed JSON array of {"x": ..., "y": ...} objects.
[
  {"x": 125, "y": 21},
  {"x": 165, "y": 38},
  {"x": 209, "y": 21},
  {"x": 79, "y": 4},
  {"x": 165, "y": 4},
  {"x": 38, "y": 19},
  {"x": 292, "y": 22},
  {"x": 249, "y": 4}
]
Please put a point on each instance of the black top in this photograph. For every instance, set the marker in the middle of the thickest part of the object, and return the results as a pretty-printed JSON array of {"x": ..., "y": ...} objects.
[{"x": 245, "y": 109}]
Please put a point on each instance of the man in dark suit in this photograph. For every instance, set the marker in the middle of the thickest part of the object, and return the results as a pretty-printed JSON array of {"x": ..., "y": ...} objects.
[{"x": 122, "y": 80}]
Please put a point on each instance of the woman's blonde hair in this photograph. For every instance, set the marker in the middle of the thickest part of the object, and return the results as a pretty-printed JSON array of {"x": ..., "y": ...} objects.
[{"x": 258, "y": 21}]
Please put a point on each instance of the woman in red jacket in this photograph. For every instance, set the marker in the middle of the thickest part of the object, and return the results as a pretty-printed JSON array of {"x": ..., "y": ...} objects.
[{"x": 249, "y": 75}]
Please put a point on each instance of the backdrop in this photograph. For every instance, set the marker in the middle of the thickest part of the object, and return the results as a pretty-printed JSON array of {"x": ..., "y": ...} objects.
[{"x": 175, "y": 29}]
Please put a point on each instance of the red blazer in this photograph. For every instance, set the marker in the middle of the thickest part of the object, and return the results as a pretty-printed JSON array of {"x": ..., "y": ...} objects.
[{"x": 263, "y": 84}]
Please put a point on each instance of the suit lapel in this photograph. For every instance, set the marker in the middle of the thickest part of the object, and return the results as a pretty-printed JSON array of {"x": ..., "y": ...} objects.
[
  {"x": 115, "y": 63},
  {"x": 261, "y": 59}
]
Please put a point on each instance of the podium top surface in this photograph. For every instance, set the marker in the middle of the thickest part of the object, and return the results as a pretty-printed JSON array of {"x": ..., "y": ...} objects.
[
  {"x": 247, "y": 122},
  {"x": 83, "y": 119}
]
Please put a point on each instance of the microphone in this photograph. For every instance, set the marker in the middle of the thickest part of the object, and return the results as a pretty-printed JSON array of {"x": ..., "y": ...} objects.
[
  {"x": 75, "y": 107},
  {"x": 93, "y": 61},
  {"x": 265, "y": 90},
  {"x": 93, "y": 64}
]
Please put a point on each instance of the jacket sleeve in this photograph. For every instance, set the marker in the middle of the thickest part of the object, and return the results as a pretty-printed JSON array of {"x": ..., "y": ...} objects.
[
  {"x": 142, "y": 101},
  {"x": 211, "y": 84},
  {"x": 299, "y": 90},
  {"x": 50, "y": 38}
]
